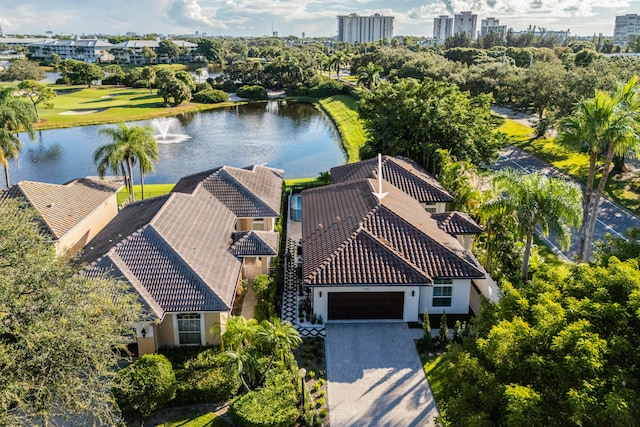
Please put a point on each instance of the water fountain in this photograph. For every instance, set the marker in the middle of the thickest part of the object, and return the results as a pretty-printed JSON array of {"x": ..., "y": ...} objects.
[{"x": 168, "y": 130}]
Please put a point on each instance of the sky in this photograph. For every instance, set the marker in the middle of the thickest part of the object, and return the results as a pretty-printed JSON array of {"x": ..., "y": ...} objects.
[{"x": 316, "y": 18}]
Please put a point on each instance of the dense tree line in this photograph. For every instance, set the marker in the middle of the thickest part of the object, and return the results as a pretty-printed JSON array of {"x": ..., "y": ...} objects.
[{"x": 61, "y": 333}]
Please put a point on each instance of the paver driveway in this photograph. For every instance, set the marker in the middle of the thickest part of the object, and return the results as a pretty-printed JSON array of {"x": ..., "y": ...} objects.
[{"x": 375, "y": 377}]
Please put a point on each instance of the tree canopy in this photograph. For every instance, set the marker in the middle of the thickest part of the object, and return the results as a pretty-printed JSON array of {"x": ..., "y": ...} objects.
[
  {"x": 61, "y": 333},
  {"x": 415, "y": 119},
  {"x": 558, "y": 351}
]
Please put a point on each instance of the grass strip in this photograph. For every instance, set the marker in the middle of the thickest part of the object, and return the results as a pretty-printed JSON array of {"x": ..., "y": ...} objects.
[
  {"x": 109, "y": 104},
  {"x": 623, "y": 189},
  {"x": 342, "y": 110},
  {"x": 150, "y": 190},
  {"x": 197, "y": 420}
]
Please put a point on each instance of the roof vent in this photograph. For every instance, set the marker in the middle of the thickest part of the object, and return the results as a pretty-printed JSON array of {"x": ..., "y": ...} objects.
[{"x": 50, "y": 205}]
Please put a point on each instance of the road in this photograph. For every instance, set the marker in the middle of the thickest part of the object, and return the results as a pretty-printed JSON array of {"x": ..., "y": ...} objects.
[{"x": 612, "y": 218}]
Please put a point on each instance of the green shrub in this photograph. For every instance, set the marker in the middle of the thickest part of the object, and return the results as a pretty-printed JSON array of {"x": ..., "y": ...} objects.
[
  {"x": 203, "y": 86},
  {"x": 323, "y": 413},
  {"x": 274, "y": 405},
  {"x": 228, "y": 86},
  {"x": 327, "y": 88},
  {"x": 317, "y": 386},
  {"x": 210, "y": 96},
  {"x": 205, "y": 386},
  {"x": 141, "y": 84},
  {"x": 319, "y": 402},
  {"x": 145, "y": 385},
  {"x": 253, "y": 93},
  {"x": 180, "y": 356}
]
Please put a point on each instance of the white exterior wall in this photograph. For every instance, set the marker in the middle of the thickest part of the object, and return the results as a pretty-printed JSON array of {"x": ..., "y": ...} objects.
[
  {"x": 442, "y": 27},
  {"x": 460, "y": 292},
  {"x": 465, "y": 22},
  {"x": 359, "y": 29},
  {"x": 411, "y": 302}
]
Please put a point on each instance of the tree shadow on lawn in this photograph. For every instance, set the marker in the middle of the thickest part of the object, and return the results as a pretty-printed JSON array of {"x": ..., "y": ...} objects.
[{"x": 150, "y": 96}]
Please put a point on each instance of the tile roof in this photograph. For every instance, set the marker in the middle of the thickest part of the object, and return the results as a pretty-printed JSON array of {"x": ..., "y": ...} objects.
[
  {"x": 352, "y": 238},
  {"x": 62, "y": 207},
  {"x": 174, "y": 251},
  {"x": 456, "y": 223},
  {"x": 253, "y": 192},
  {"x": 254, "y": 243},
  {"x": 401, "y": 172}
]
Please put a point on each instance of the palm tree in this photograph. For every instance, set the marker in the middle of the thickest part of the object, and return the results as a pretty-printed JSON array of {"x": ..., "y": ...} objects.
[
  {"x": 130, "y": 145},
  {"x": 623, "y": 138},
  {"x": 369, "y": 75},
  {"x": 606, "y": 121},
  {"x": 239, "y": 333},
  {"x": 16, "y": 115},
  {"x": 278, "y": 338},
  {"x": 149, "y": 74},
  {"x": 550, "y": 203},
  {"x": 337, "y": 60},
  {"x": 242, "y": 363}
]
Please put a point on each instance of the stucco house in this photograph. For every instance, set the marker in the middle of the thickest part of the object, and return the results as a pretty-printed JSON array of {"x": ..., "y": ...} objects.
[
  {"x": 186, "y": 253},
  {"x": 370, "y": 257},
  {"x": 403, "y": 173},
  {"x": 87, "y": 50},
  {"x": 72, "y": 213},
  {"x": 131, "y": 51}
]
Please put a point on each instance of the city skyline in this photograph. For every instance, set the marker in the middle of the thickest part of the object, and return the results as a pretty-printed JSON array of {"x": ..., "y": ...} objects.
[{"x": 316, "y": 18}]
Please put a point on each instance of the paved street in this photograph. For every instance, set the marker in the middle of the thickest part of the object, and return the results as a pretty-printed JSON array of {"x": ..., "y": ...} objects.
[
  {"x": 611, "y": 219},
  {"x": 375, "y": 377}
]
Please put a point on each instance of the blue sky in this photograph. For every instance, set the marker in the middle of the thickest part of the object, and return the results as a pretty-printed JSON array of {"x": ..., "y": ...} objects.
[{"x": 292, "y": 17}]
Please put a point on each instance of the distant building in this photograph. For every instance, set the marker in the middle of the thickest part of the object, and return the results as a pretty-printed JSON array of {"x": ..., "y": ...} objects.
[
  {"x": 465, "y": 22},
  {"x": 442, "y": 27},
  {"x": 361, "y": 29},
  {"x": 491, "y": 25},
  {"x": 87, "y": 50},
  {"x": 131, "y": 51},
  {"x": 626, "y": 25}
]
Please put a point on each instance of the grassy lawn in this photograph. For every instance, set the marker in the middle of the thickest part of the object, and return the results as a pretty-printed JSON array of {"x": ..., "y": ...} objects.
[
  {"x": 342, "y": 110},
  {"x": 150, "y": 190},
  {"x": 551, "y": 258},
  {"x": 197, "y": 420},
  {"x": 297, "y": 181},
  {"x": 113, "y": 104},
  {"x": 623, "y": 189},
  {"x": 435, "y": 373}
]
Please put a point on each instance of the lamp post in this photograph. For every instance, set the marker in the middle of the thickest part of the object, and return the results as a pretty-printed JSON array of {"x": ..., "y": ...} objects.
[{"x": 303, "y": 373}]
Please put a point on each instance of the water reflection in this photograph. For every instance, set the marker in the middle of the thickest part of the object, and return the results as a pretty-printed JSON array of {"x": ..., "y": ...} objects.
[{"x": 291, "y": 136}]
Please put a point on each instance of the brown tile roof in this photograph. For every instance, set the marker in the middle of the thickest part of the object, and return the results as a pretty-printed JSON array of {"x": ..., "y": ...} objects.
[
  {"x": 401, "y": 172},
  {"x": 456, "y": 223},
  {"x": 352, "y": 238},
  {"x": 178, "y": 259},
  {"x": 254, "y": 243},
  {"x": 252, "y": 192},
  {"x": 62, "y": 207}
]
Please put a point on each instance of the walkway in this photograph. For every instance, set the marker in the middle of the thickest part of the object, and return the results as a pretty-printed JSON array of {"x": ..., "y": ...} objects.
[
  {"x": 375, "y": 377},
  {"x": 291, "y": 295}
]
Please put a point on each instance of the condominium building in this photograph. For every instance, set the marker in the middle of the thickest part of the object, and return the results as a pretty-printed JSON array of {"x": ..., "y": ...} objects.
[
  {"x": 491, "y": 25},
  {"x": 442, "y": 27},
  {"x": 465, "y": 22},
  {"x": 354, "y": 28},
  {"x": 626, "y": 25},
  {"x": 87, "y": 50}
]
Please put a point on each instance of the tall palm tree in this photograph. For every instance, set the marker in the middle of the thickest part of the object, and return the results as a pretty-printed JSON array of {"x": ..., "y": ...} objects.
[
  {"x": 337, "y": 61},
  {"x": 239, "y": 332},
  {"x": 369, "y": 75},
  {"x": 16, "y": 115},
  {"x": 623, "y": 138},
  {"x": 130, "y": 145},
  {"x": 550, "y": 203},
  {"x": 608, "y": 121}
]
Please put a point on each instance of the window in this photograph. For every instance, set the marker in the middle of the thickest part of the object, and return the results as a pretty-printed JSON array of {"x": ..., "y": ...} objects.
[
  {"x": 189, "y": 329},
  {"x": 258, "y": 224},
  {"x": 442, "y": 296}
]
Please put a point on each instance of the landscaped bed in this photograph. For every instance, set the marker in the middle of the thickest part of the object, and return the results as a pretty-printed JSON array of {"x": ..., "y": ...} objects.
[{"x": 311, "y": 356}]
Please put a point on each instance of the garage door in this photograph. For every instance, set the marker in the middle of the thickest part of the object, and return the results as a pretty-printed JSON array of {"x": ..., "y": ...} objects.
[{"x": 365, "y": 305}]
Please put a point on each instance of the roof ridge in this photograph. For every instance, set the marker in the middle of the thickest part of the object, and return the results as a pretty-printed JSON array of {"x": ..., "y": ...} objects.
[
  {"x": 33, "y": 206},
  {"x": 445, "y": 247},
  {"x": 186, "y": 263}
]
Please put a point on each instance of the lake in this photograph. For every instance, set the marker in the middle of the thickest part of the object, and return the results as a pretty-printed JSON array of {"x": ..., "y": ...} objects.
[{"x": 295, "y": 137}]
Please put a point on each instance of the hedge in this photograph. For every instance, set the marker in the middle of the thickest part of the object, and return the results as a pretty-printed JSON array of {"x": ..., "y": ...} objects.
[
  {"x": 253, "y": 93},
  {"x": 210, "y": 96}
]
